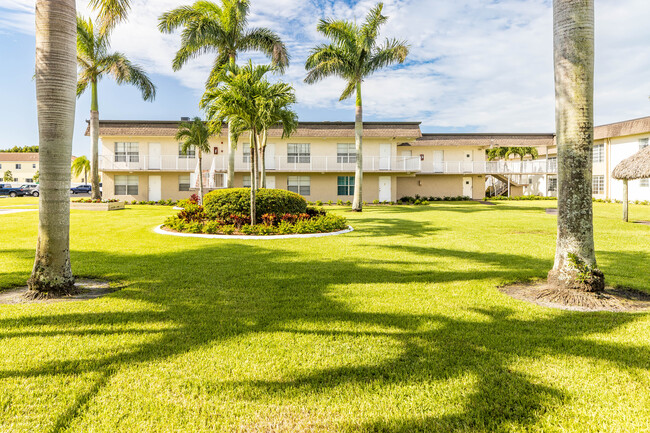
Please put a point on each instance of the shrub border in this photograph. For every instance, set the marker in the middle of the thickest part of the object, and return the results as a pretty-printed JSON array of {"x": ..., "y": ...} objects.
[{"x": 160, "y": 231}]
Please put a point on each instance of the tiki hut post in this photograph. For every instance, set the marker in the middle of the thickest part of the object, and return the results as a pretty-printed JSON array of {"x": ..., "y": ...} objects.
[
  {"x": 625, "y": 201},
  {"x": 636, "y": 166}
]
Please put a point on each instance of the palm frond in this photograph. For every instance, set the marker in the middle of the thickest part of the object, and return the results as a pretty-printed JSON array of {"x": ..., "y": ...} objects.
[
  {"x": 370, "y": 28},
  {"x": 111, "y": 12},
  {"x": 125, "y": 72},
  {"x": 391, "y": 52},
  {"x": 267, "y": 42}
]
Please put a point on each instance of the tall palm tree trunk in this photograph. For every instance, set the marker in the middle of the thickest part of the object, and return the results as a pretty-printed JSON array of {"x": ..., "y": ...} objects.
[
  {"x": 200, "y": 177},
  {"x": 253, "y": 186},
  {"x": 575, "y": 258},
  {"x": 94, "y": 143},
  {"x": 232, "y": 146},
  {"x": 56, "y": 80},
  {"x": 263, "y": 158},
  {"x": 358, "y": 142}
]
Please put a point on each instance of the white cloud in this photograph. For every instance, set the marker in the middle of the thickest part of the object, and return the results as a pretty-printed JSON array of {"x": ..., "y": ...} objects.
[{"x": 474, "y": 64}]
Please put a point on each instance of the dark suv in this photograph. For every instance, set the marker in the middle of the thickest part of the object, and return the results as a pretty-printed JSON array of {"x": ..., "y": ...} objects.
[
  {"x": 7, "y": 189},
  {"x": 81, "y": 189}
]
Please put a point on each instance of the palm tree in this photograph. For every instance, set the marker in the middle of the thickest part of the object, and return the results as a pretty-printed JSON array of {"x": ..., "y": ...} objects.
[
  {"x": 81, "y": 164},
  {"x": 55, "y": 77},
  {"x": 222, "y": 29},
  {"x": 195, "y": 134},
  {"x": 275, "y": 110},
  {"x": 354, "y": 55},
  {"x": 240, "y": 99},
  {"x": 575, "y": 259},
  {"x": 95, "y": 62}
]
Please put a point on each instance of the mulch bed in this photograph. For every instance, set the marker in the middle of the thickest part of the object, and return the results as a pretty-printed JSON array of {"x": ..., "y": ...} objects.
[
  {"x": 86, "y": 290},
  {"x": 612, "y": 299}
]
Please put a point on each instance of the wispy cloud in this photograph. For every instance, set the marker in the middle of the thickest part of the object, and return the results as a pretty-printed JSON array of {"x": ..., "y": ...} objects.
[{"x": 474, "y": 64}]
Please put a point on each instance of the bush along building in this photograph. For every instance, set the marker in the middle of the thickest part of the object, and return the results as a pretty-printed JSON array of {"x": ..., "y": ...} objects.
[{"x": 141, "y": 160}]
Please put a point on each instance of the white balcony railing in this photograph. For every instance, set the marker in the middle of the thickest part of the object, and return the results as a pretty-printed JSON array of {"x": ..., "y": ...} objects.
[
  {"x": 323, "y": 164},
  {"x": 147, "y": 163}
]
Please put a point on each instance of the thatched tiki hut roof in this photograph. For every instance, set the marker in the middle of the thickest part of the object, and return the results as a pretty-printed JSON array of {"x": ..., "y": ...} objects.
[{"x": 636, "y": 166}]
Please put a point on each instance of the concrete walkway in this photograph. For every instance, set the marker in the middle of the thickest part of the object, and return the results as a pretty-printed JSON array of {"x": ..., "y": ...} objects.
[{"x": 9, "y": 211}]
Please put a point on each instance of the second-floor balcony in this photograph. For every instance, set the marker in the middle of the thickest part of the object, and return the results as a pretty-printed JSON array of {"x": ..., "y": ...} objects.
[{"x": 328, "y": 164}]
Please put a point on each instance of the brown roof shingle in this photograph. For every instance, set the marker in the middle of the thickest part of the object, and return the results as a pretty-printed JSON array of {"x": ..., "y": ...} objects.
[
  {"x": 621, "y": 129},
  {"x": 19, "y": 156},
  {"x": 485, "y": 140},
  {"x": 406, "y": 130}
]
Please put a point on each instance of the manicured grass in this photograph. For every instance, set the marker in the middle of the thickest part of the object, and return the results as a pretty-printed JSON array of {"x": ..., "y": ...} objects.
[{"x": 396, "y": 327}]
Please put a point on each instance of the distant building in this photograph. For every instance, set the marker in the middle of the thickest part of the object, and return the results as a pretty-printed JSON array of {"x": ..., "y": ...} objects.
[{"x": 23, "y": 167}]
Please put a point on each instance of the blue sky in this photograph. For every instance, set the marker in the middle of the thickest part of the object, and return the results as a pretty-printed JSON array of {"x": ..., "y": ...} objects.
[{"x": 475, "y": 65}]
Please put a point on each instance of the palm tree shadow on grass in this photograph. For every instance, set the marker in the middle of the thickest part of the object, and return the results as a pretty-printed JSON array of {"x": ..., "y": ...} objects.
[{"x": 273, "y": 290}]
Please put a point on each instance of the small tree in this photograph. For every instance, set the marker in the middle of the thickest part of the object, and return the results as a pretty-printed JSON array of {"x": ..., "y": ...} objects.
[
  {"x": 8, "y": 177},
  {"x": 37, "y": 176},
  {"x": 195, "y": 134},
  {"x": 81, "y": 164},
  {"x": 354, "y": 55}
]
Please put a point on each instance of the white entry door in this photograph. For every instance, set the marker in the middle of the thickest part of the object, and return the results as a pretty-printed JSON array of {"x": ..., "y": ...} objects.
[
  {"x": 270, "y": 182},
  {"x": 384, "y": 156},
  {"x": 468, "y": 165},
  {"x": 155, "y": 188},
  {"x": 269, "y": 157},
  {"x": 467, "y": 187},
  {"x": 154, "y": 156},
  {"x": 384, "y": 188},
  {"x": 438, "y": 161}
]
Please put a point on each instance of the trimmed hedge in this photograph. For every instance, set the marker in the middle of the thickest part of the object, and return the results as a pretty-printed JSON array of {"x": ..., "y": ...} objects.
[{"x": 220, "y": 204}]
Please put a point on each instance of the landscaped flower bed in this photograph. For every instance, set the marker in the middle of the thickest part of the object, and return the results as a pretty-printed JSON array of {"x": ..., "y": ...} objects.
[
  {"x": 102, "y": 205},
  {"x": 227, "y": 212}
]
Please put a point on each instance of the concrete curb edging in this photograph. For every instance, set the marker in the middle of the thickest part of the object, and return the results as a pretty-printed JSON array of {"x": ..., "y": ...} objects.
[{"x": 160, "y": 231}]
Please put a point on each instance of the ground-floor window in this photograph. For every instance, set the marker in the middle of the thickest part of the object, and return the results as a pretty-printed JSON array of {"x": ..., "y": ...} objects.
[
  {"x": 184, "y": 182},
  {"x": 598, "y": 185},
  {"x": 299, "y": 184},
  {"x": 126, "y": 185},
  {"x": 247, "y": 180},
  {"x": 552, "y": 183},
  {"x": 29, "y": 180},
  {"x": 645, "y": 183},
  {"x": 345, "y": 185}
]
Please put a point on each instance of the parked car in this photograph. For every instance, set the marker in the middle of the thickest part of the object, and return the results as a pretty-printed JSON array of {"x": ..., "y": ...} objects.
[
  {"x": 31, "y": 189},
  {"x": 7, "y": 189},
  {"x": 81, "y": 189}
]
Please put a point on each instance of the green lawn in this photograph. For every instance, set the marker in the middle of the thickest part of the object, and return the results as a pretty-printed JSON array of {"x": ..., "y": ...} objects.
[{"x": 396, "y": 327}]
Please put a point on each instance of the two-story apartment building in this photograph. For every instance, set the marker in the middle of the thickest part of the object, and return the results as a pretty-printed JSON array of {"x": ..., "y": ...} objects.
[
  {"x": 141, "y": 160},
  {"x": 22, "y": 166},
  {"x": 612, "y": 144}
]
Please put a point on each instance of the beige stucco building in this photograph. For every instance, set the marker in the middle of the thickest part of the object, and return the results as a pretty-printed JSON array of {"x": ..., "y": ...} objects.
[
  {"x": 140, "y": 160},
  {"x": 22, "y": 166}
]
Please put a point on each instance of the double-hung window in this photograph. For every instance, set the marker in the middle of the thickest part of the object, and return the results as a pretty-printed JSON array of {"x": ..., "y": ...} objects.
[
  {"x": 643, "y": 143},
  {"x": 184, "y": 182},
  {"x": 33, "y": 165},
  {"x": 247, "y": 153},
  {"x": 246, "y": 181},
  {"x": 299, "y": 184},
  {"x": 127, "y": 152},
  {"x": 345, "y": 185},
  {"x": 598, "y": 153},
  {"x": 191, "y": 152},
  {"x": 552, "y": 183},
  {"x": 298, "y": 153},
  {"x": 346, "y": 153},
  {"x": 19, "y": 166},
  {"x": 598, "y": 185},
  {"x": 126, "y": 185}
]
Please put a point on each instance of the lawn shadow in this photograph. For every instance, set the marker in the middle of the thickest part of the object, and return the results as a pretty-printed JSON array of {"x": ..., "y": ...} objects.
[{"x": 244, "y": 289}]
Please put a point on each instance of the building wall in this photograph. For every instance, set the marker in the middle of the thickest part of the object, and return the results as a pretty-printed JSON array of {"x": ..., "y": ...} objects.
[
  {"x": 622, "y": 148},
  {"x": 169, "y": 187},
  {"x": 439, "y": 186},
  {"x": 26, "y": 171}
]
